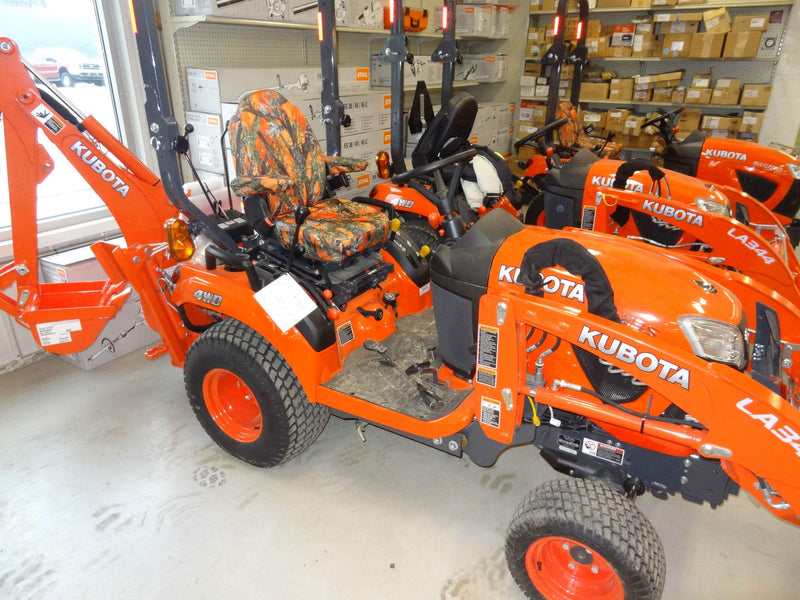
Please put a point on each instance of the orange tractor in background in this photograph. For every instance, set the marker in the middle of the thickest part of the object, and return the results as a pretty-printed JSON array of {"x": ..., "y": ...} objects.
[{"x": 628, "y": 370}]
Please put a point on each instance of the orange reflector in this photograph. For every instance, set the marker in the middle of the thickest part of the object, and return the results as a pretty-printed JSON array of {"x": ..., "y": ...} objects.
[
  {"x": 556, "y": 25},
  {"x": 133, "y": 17},
  {"x": 319, "y": 26},
  {"x": 444, "y": 17},
  {"x": 181, "y": 246},
  {"x": 382, "y": 162},
  {"x": 579, "y": 33}
]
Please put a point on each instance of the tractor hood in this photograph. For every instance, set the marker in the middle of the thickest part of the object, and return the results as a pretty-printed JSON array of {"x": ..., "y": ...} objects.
[{"x": 651, "y": 290}]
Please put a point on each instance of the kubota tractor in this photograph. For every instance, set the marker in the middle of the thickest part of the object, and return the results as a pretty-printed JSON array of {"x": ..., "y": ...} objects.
[{"x": 628, "y": 371}]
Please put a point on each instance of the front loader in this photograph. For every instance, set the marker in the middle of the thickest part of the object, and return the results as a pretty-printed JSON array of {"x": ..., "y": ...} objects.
[{"x": 629, "y": 372}]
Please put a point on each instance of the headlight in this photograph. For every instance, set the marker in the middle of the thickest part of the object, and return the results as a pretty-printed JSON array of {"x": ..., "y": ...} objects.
[
  {"x": 713, "y": 206},
  {"x": 794, "y": 169},
  {"x": 715, "y": 340}
]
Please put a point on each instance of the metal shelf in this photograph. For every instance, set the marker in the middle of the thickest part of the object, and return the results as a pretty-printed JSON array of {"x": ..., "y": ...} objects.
[
  {"x": 658, "y": 104},
  {"x": 678, "y": 8},
  {"x": 435, "y": 86},
  {"x": 772, "y": 59}
]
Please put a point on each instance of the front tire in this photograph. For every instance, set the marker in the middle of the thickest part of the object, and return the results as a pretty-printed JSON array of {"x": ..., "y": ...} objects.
[
  {"x": 247, "y": 397},
  {"x": 575, "y": 539},
  {"x": 66, "y": 79}
]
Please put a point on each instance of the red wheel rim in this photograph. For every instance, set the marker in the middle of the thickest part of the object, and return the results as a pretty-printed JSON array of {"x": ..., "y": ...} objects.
[
  {"x": 232, "y": 405},
  {"x": 562, "y": 569}
]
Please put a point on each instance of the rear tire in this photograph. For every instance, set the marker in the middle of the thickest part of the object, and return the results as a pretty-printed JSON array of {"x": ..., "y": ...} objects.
[
  {"x": 247, "y": 397},
  {"x": 574, "y": 539},
  {"x": 66, "y": 79}
]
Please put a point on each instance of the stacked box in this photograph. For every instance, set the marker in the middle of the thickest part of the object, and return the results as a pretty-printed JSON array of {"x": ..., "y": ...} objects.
[
  {"x": 616, "y": 118},
  {"x": 689, "y": 119},
  {"x": 717, "y": 21},
  {"x": 726, "y": 91},
  {"x": 755, "y": 94},
  {"x": 706, "y": 45},
  {"x": 620, "y": 89},
  {"x": 475, "y": 21},
  {"x": 720, "y": 126},
  {"x": 698, "y": 96},
  {"x": 742, "y": 44},
  {"x": 676, "y": 45},
  {"x": 643, "y": 44},
  {"x": 594, "y": 91}
]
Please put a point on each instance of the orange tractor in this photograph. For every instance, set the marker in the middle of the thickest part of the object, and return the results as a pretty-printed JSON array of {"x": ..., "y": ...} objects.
[{"x": 628, "y": 370}]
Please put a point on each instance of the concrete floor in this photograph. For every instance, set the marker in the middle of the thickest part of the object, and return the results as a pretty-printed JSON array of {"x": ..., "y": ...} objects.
[{"x": 109, "y": 488}]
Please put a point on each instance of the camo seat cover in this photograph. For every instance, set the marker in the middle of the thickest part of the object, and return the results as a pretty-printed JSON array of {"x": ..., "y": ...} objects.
[
  {"x": 572, "y": 134},
  {"x": 276, "y": 154}
]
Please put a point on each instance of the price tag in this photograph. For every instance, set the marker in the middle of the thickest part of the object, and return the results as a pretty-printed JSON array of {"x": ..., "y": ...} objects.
[{"x": 285, "y": 301}]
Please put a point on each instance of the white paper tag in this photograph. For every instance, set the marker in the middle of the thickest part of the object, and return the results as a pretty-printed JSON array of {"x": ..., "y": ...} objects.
[
  {"x": 723, "y": 83},
  {"x": 57, "y": 332},
  {"x": 750, "y": 93},
  {"x": 749, "y": 120},
  {"x": 757, "y": 23},
  {"x": 631, "y": 124},
  {"x": 285, "y": 301},
  {"x": 676, "y": 46},
  {"x": 713, "y": 122},
  {"x": 693, "y": 94}
]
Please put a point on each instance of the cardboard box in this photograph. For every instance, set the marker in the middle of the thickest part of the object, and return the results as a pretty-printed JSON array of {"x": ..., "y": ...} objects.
[
  {"x": 662, "y": 94},
  {"x": 701, "y": 81},
  {"x": 594, "y": 91},
  {"x": 755, "y": 94},
  {"x": 621, "y": 83},
  {"x": 619, "y": 51},
  {"x": 597, "y": 120},
  {"x": 533, "y": 68},
  {"x": 643, "y": 44},
  {"x": 657, "y": 3},
  {"x": 676, "y": 45},
  {"x": 643, "y": 95},
  {"x": 717, "y": 20},
  {"x": 676, "y": 16},
  {"x": 706, "y": 45},
  {"x": 750, "y": 23},
  {"x": 612, "y": 3},
  {"x": 742, "y": 44},
  {"x": 640, "y": 3},
  {"x": 726, "y": 91},
  {"x": 126, "y": 332},
  {"x": 593, "y": 28},
  {"x": 751, "y": 122},
  {"x": 680, "y": 27},
  {"x": 615, "y": 119},
  {"x": 646, "y": 27},
  {"x": 475, "y": 21},
  {"x": 689, "y": 119},
  {"x": 748, "y": 137},
  {"x": 597, "y": 46},
  {"x": 247, "y": 9},
  {"x": 698, "y": 96},
  {"x": 620, "y": 95},
  {"x": 623, "y": 35},
  {"x": 678, "y": 95},
  {"x": 633, "y": 125},
  {"x": 659, "y": 78},
  {"x": 717, "y": 122}
]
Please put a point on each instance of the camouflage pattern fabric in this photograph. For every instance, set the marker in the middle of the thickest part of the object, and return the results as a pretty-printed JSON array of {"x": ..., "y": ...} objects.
[
  {"x": 336, "y": 229},
  {"x": 572, "y": 133},
  {"x": 276, "y": 154}
]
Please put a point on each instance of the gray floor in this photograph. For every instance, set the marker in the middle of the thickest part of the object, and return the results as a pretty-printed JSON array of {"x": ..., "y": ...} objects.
[{"x": 110, "y": 489}]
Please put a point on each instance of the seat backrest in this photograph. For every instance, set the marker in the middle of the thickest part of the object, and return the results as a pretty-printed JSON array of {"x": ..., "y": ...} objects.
[
  {"x": 571, "y": 132},
  {"x": 452, "y": 125},
  {"x": 275, "y": 153}
]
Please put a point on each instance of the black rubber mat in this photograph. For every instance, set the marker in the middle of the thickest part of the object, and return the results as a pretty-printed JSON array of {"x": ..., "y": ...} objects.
[{"x": 366, "y": 376}]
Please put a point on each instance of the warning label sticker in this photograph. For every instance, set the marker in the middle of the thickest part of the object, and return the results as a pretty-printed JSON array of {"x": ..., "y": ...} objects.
[
  {"x": 603, "y": 451},
  {"x": 487, "y": 346},
  {"x": 346, "y": 334},
  {"x": 490, "y": 412},
  {"x": 486, "y": 377},
  {"x": 587, "y": 222},
  {"x": 57, "y": 332},
  {"x": 45, "y": 116}
]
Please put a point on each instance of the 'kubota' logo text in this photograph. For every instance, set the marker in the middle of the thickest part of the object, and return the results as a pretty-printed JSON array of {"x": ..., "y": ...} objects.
[
  {"x": 644, "y": 361},
  {"x": 753, "y": 245},
  {"x": 715, "y": 153},
  {"x": 550, "y": 284},
  {"x": 608, "y": 181},
  {"x": 669, "y": 212},
  {"x": 98, "y": 166},
  {"x": 785, "y": 434}
]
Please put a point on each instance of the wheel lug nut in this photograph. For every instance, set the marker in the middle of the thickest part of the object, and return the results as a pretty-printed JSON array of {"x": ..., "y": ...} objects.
[
  {"x": 595, "y": 570},
  {"x": 572, "y": 565},
  {"x": 565, "y": 546}
]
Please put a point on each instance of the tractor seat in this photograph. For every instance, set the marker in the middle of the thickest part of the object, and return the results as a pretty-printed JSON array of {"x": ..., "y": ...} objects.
[
  {"x": 448, "y": 132},
  {"x": 684, "y": 156},
  {"x": 280, "y": 166}
]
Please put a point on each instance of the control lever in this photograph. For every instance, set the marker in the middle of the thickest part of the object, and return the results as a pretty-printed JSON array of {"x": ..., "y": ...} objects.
[
  {"x": 181, "y": 143},
  {"x": 376, "y": 314},
  {"x": 425, "y": 367},
  {"x": 390, "y": 301},
  {"x": 374, "y": 346}
]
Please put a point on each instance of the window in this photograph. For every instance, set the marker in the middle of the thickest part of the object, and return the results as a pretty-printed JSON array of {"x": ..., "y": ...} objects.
[{"x": 65, "y": 41}]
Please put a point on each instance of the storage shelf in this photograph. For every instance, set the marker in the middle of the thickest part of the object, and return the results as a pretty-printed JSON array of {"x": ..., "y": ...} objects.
[
  {"x": 772, "y": 59},
  {"x": 433, "y": 86},
  {"x": 679, "y": 8},
  {"x": 184, "y": 22},
  {"x": 657, "y": 104}
]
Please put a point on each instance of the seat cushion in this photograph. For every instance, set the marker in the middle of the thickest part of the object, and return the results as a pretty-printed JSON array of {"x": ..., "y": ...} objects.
[{"x": 336, "y": 229}]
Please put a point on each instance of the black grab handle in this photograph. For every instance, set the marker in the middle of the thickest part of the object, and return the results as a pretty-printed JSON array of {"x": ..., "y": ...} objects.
[{"x": 632, "y": 166}]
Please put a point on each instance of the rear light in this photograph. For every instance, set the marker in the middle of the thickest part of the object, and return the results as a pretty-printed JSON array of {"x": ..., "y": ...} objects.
[
  {"x": 382, "y": 162},
  {"x": 579, "y": 34},
  {"x": 556, "y": 25},
  {"x": 319, "y": 26},
  {"x": 391, "y": 11},
  {"x": 444, "y": 18},
  {"x": 181, "y": 246}
]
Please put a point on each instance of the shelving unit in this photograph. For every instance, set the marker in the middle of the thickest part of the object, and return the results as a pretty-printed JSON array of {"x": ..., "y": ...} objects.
[{"x": 752, "y": 70}]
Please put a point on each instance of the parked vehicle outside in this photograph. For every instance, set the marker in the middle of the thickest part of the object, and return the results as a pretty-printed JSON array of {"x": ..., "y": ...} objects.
[{"x": 65, "y": 67}]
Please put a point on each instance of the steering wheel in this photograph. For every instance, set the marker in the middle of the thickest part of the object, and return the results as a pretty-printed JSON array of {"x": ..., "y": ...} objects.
[
  {"x": 539, "y": 133},
  {"x": 434, "y": 166},
  {"x": 662, "y": 118}
]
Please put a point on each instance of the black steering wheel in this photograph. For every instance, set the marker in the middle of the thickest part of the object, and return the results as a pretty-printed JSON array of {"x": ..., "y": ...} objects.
[
  {"x": 539, "y": 133},
  {"x": 464, "y": 156},
  {"x": 662, "y": 118}
]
